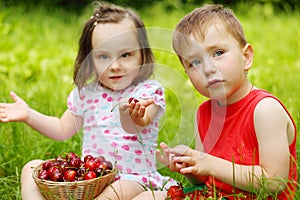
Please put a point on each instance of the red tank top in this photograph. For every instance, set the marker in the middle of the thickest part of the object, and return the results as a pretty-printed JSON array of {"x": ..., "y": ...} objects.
[{"x": 221, "y": 136}]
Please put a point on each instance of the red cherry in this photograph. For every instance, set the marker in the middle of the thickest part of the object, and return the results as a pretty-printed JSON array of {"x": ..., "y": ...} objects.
[
  {"x": 52, "y": 169},
  {"x": 106, "y": 165},
  {"x": 75, "y": 162},
  {"x": 175, "y": 191},
  {"x": 100, "y": 172},
  {"x": 47, "y": 165},
  {"x": 44, "y": 175},
  {"x": 80, "y": 172},
  {"x": 56, "y": 176},
  {"x": 91, "y": 165},
  {"x": 71, "y": 156},
  {"x": 130, "y": 100},
  {"x": 70, "y": 175},
  {"x": 88, "y": 157},
  {"x": 89, "y": 175}
]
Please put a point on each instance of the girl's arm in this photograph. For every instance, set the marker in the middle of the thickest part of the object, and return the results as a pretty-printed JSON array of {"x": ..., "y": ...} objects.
[
  {"x": 136, "y": 115},
  {"x": 52, "y": 127},
  {"x": 274, "y": 132}
]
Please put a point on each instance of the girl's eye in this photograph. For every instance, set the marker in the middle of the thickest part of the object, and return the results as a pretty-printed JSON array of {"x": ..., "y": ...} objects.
[
  {"x": 195, "y": 62},
  {"x": 102, "y": 57},
  {"x": 125, "y": 55},
  {"x": 218, "y": 53}
]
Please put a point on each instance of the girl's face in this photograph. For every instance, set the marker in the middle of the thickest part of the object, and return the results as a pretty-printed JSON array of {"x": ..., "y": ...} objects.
[
  {"x": 217, "y": 65},
  {"x": 116, "y": 54}
]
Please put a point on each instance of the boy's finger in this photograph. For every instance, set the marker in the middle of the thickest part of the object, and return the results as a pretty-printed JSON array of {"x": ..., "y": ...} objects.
[{"x": 180, "y": 150}]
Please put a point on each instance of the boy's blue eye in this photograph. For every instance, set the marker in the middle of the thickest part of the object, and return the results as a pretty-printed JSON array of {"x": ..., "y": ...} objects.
[
  {"x": 195, "y": 62},
  {"x": 218, "y": 53}
]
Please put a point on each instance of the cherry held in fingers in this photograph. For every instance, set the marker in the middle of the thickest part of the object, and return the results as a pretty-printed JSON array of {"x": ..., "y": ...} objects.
[{"x": 132, "y": 99}]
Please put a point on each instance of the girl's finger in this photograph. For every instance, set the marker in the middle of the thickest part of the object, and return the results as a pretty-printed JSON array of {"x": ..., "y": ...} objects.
[{"x": 14, "y": 96}]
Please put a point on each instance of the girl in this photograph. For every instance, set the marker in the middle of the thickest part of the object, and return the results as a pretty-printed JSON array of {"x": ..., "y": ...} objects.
[{"x": 113, "y": 64}]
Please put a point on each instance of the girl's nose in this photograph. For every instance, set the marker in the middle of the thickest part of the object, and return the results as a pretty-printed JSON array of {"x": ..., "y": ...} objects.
[{"x": 115, "y": 65}]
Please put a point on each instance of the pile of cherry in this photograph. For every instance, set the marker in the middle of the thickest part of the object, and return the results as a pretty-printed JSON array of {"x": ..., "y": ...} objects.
[
  {"x": 72, "y": 168},
  {"x": 177, "y": 193}
]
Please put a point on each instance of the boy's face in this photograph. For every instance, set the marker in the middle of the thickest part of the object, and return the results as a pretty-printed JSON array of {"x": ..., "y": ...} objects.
[{"x": 216, "y": 65}]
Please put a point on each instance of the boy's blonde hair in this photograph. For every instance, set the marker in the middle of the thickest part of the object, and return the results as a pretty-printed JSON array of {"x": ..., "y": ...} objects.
[{"x": 197, "y": 22}]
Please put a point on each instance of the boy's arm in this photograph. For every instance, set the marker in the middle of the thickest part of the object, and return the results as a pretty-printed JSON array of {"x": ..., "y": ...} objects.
[
  {"x": 52, "y": 127},
  {"x": 272, "y": 126}
]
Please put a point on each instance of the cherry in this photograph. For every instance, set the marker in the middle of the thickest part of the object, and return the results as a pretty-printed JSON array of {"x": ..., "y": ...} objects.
[
  {"x": 71, "y": 156},
  {"x": 56, "y": 176},
  {"x": 89, "y": 175},
  {"x": 44, "y": 175},
  {"x": 88, "y": 157},
  {"x": 175, "y": 192},
  {"x": 70, "y": 175},
  {"x": 100, "y": 172},
  {"x": 132, "y": 99},
  {"x": 80, "y": 172},
  {"x": 75, "y": 162},
  {"x": 47, "y": 165},
  {"x": 64, "y": 166},
  {"x": 106, "y": 165},
  {"x": 52, "y": 169},
  {"x": 91, "y": 165}
]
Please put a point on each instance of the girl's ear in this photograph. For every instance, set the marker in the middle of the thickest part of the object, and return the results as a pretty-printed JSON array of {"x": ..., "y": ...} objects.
[{"x": 248, "y": 53}]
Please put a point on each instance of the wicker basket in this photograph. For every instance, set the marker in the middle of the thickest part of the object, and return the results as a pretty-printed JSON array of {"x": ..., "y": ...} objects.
[{"x": 77, "y": 190}]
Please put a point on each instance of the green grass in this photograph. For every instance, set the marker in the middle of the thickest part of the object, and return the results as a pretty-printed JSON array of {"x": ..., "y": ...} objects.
[{"x": 38, "y": 47}]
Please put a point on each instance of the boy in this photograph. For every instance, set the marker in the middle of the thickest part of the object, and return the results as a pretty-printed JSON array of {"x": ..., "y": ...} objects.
[{"x": 246, "y": 139}]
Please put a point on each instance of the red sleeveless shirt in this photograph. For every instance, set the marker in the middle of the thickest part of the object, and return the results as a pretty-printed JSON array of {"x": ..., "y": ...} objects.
[{"x": 228, "y": 132}]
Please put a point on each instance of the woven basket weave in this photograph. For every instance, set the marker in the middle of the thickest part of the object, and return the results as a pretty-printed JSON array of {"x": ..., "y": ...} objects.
[{"x": 77, "y": 190}]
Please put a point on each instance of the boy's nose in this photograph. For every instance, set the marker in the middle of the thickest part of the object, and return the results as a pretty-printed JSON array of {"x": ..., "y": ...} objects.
[{"x": 209, "y": 67}]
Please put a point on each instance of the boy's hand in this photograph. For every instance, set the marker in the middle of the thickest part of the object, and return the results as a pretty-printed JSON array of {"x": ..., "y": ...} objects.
[
  {"x": 193, "y": 160},
  {"x": 14, "y": 112},
  {"x": 168, "y": 158}
]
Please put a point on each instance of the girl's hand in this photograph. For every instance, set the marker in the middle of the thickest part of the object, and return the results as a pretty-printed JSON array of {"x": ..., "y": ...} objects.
[
  {"x": 137, "y": 108},
  {"x": 137, "y": 111},
  {"x": 169, "y": 159},
  {"x": 14, "y": 112}
]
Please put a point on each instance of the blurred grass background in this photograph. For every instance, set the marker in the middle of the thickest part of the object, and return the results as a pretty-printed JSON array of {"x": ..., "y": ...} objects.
[{"x": 38, "y": 46}]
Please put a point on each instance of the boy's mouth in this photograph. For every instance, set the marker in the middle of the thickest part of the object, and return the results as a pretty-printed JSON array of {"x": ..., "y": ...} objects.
[{"x": 214, "y": 82}]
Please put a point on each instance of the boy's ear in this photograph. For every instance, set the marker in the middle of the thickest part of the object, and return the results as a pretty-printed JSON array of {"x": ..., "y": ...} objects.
[{"x": 248, "y": 53}]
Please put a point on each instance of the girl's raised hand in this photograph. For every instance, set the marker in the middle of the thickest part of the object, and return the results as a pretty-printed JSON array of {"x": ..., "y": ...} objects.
[
  {"x": 14, "y": 112},
  {"x": 137, "y": 108}
]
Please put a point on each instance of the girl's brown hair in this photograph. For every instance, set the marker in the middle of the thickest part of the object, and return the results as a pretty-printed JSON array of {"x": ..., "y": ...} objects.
[{"x": 110, "y": 13}]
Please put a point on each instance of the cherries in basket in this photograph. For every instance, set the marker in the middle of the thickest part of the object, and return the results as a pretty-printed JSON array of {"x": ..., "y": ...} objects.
[{"x": 72, "y": 168}]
